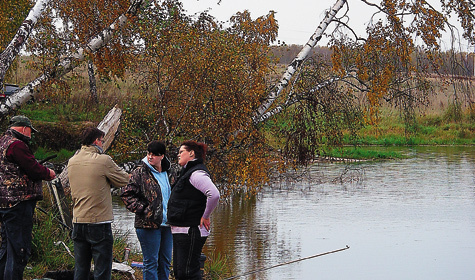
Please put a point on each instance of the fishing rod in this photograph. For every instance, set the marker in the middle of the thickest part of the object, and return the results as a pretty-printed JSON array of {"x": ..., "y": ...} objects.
[
  {"x": 47, "y": 158},
  {"x": 286, "y": 263}
]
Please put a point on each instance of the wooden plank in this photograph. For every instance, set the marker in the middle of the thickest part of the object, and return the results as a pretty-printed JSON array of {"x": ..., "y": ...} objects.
[
  {"x": 61, "y": 202},
  {"x": 60, "y": 186}
]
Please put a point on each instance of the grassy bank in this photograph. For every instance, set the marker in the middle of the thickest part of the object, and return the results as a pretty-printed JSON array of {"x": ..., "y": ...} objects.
[
  {"x": 440, "y": 127},
  {"x": 52, "y": 245}
]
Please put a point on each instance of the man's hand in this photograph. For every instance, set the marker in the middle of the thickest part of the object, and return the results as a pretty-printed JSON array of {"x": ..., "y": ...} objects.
[{"x": 52, "y": 174}]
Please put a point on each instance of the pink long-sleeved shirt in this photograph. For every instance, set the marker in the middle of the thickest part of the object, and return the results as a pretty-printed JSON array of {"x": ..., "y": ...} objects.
[{"x": 202, "y": 182}]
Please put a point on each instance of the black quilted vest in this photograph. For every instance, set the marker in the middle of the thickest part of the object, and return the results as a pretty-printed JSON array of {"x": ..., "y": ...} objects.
[{"x": 187, "y": 204}]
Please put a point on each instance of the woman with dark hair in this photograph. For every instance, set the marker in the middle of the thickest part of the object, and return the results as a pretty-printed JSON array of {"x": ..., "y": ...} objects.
[
  {"x": 147, "y": 195},
  {"x": 194, "y": 197}
]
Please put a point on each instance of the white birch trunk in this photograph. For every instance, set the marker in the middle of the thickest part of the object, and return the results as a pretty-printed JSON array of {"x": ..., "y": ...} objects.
[
  {"x": 12, "y": 50},
  {"x": 294, "y": 98},
  {"x": 66, "y": 65},
  {"x": 295, "y": 64}
]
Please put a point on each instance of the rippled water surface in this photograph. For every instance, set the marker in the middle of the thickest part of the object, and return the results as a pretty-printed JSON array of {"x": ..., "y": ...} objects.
[{"x": 402, "y": 219}]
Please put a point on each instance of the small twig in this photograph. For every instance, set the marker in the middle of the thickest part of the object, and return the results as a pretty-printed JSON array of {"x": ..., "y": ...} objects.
[{"x": 67, "y": 248}]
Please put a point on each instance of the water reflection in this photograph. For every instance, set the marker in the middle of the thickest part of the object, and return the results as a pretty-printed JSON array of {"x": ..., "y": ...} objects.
[
  {"x": 124, "y": 223},
  {"x": 403, "y": 219}
]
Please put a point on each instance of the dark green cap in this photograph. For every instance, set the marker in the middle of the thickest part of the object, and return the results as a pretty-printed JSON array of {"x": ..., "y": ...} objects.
[{"x": 22, "y": 121}]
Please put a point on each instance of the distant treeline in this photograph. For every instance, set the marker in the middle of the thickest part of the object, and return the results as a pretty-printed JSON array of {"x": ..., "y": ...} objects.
[
  {"x": 447, "y": 63},
  {"x": 285, "y": 54}
]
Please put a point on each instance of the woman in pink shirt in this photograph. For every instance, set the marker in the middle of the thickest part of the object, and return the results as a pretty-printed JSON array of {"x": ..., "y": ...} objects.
[{"x": 193, "y": 198}]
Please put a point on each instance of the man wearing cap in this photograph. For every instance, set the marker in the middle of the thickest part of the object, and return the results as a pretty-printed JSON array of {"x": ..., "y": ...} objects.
[{"x": 20, "y": 188}]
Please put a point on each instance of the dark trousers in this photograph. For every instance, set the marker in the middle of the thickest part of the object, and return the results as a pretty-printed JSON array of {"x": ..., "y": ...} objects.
[
  {"x": 93, "y": 241},
  {"x": 15, "y": 249},
  {"x": 186, "y": 254}
]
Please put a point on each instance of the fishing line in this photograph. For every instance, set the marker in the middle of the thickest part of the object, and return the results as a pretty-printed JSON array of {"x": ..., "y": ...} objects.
[{"x": 286, "y": 263}]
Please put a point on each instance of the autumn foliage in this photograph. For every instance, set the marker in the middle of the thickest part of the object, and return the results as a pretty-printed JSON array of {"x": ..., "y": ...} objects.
[{"x": 201, "y": 81}]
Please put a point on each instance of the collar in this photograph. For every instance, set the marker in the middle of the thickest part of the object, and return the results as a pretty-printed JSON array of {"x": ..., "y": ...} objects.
[
  {"x": 92, "y": 149},
  {"x": 192, "y": 163},
  {"x": 19, "y": 136}
]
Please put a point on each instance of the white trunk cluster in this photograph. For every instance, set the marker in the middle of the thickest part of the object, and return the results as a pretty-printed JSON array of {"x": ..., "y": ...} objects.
[{"x": 66, "y": 65}]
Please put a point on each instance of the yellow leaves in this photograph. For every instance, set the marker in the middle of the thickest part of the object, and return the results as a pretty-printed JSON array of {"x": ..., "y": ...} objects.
[
  {"x": 428, "y": 23},
  {"x": 464, "y": 10},
  {"x": 12, "y": 14},
  {"x": 337, "y": 60},
  {"x": 243, "y": 171},
  {"x": 382, "y": 61},
  {"x": 262, "y": 30}
]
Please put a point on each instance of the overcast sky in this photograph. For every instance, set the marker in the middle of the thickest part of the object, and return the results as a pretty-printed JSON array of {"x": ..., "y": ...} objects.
[{"x": 297, "y": 19}]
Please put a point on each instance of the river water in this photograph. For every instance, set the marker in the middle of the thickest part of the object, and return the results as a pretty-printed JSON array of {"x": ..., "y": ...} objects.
[{"x": 402, "y": 219}]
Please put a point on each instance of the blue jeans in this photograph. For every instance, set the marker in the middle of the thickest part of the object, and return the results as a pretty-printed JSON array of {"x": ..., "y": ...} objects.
[
  {"x": 156, "y": 247},
  {"x": 93, "y": 241},
  {"x": 186, "y": 254},
  {"x": 15, "y": 249}
]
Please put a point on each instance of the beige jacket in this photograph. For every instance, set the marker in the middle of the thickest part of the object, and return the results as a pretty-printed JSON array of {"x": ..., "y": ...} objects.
[{"x": 91, "y": 175}]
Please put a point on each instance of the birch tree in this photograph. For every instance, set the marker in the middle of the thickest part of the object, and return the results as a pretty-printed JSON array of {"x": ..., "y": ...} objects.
[
  {"x": 13, "y": 48},
  {"x": 426, "y": 23},
  {"x": 64, "y": 65},
  {"x": 297, "y": 62}
]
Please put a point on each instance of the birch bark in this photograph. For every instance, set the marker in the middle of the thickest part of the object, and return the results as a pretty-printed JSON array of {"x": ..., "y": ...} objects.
[
  {"x": 12, "y": 50},
  {"x": 297, "y": 62}
]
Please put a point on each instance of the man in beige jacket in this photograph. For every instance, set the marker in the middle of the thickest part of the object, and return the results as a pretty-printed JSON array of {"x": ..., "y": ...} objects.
[{"x": 91, "y": 175}]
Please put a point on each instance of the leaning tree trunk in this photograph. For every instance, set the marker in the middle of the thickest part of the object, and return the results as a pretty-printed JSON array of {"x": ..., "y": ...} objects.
[
  {"x": 294, "y": 98},
  {"x": 59, "y": 187},
  {"x": 297, "y": 62},
  {"x": 12, "y": 50}
]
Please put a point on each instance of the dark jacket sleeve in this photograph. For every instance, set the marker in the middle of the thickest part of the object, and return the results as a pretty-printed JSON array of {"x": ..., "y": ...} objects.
[
  {"x": 19, "y": 153},
  {"x": 131, "y": 194}
]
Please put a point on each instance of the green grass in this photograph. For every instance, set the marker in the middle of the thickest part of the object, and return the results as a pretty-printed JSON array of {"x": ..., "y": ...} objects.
[
  {"x": 62, "y": 155},
  {"x": 48, "y": 251},
  {"x": 429, "y": 130},
  {"x": 216, "y": 267},
  {"x": 53, "y": 112}
]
